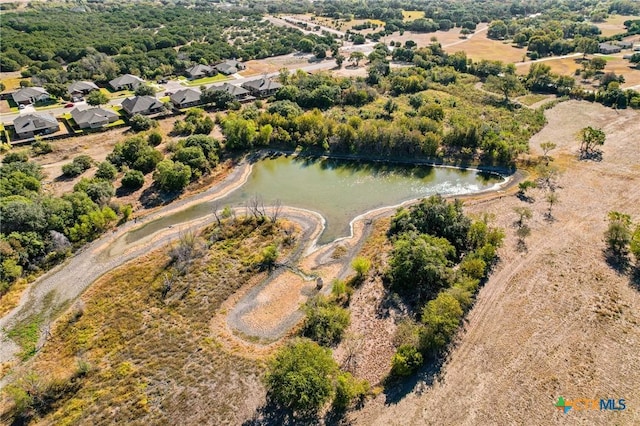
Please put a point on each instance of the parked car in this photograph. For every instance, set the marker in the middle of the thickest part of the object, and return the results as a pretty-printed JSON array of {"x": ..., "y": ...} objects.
[
  {"x": 21, "y": 106},
  {"x": 69, "y": 105}
]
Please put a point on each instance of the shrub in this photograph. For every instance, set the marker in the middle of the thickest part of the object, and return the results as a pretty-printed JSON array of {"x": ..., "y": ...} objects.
[
  {"x": 441, "y": 317},
  {"x": 40, "y": 147},
  {"x": 300, "y": 376},
  {"x": 172, "y": 176},
  {"x": 140, "y": 123},
  {"x": 406, "y": 361},
  {"x": 361, "y": 265},
  {"x": 77, "y": 166},
  {"x": 133, "y": 179},
  {"x": 16, "y": 156},
  {"x": 325, "y": 322},
  {"x": 106, "y": 171},
  {"x": 348, "y": 389},
  {"x": 154, "y": 138}
]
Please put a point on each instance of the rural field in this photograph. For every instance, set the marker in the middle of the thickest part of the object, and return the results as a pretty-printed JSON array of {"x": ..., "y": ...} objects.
[
  {"x": 614, "y": 24},
  {"x": 555, "y": 320}
]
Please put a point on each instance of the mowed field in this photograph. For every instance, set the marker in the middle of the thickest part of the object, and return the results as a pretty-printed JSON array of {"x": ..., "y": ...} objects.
[
  {"x": 614, "y": 24},
  {"x": 568, "y": 66},
  {"x": 478, "y": 46},
  {"x": 555, "y": 320}
]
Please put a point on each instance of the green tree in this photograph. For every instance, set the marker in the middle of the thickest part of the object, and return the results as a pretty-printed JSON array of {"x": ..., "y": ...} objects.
[
  {"x": 356, "y": 57},
  {"x": 106, "y": 171},
  {"x": 361, "y": 265},
  {"x": 306, "y": 45},
  {"x": 635, "y": 244},
  {"x": 590, "y": 138},
  {"x": 96, "y": 97},
  {"x": 154, "y": 138},
  {"x": 193, "y": 157},
  {"x": 618, "y": 234},
  {"x": 140, "y": 123},
  {"x": 441, "y": 317},
  {"x": 300, "y": 376},
  {"x": 508, "y": 85},
  {"x": 406, "y": 361},
  {"x": 145, "y": 90},
  {"x": 325, "y": 321},
  {"x": 171, "y": 176},
  {"x": 133, "y": 179},
  {"x": 348, "y": 389}
]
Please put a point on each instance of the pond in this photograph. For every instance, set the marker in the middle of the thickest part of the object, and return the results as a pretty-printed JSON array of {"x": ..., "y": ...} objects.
[{"x": 339, "y": 190}]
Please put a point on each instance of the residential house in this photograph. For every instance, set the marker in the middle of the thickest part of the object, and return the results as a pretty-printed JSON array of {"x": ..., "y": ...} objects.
[
  {"x": 230, "y": 67},
  {"x": 608, "y": 49},
  {"x": 625, "y": 44},
  {"x": 240, "y": 93},
  {"x": 262, "y": 87},
  {"x": 126, "y": 82},
  {"x": 186, "y": 98},
  {"x": 93, "y": 117},
  {"x": 80, "y": 88},
  {"x": 144, "y": 105},
  {"x": 38, "y": 123},
  {"x": 30, "y": 95},
  {"x": 199, "y": 71}
]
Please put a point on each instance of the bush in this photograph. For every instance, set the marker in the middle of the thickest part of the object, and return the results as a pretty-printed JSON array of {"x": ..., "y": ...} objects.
[
  {"x": 15, "y": 157},
  {"x": 300, "y": 376},
  {"x": 361, "y": 265},
  {"x": 406, "y": 361},
  {"x": 40, "y": 147},
  {"x": 349, "y": 389},
  {"x": 325, "y": 322},
  {"x": 172, "y": 176},
  {"x": 106, "y": 171},
  {"x": 77, "y": 166},
  {"x": 441, "y": 318},
  {"x": 154, "y": 138},
  {"x": 133, "y": 179},
  {"x": 140, "y": 123}
]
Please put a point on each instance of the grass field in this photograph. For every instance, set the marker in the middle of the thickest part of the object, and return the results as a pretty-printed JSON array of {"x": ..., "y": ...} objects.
[
  {"x": 614, "y": 24},
  {"x": 207, "y": 80},
  {"x": 412, "y": 15},
  {"x": 480, "y": 47}
]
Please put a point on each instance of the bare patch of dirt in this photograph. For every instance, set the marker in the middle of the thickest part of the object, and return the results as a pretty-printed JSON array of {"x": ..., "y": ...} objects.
[{"x": 554, "y": 320}]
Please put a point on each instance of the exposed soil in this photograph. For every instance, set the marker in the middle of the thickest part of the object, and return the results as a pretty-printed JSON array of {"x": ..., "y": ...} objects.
[{"x": 555, "y": 320}]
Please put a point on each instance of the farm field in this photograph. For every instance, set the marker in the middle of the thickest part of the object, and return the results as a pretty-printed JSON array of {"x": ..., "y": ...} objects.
[{"x": 614, "y": 24}]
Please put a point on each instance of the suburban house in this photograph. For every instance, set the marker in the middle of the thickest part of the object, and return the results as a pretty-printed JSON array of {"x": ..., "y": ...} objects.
[
  {"x": 126, "y": 82},
  {"x": 38, "y": 123},
  {"x": 142, "y": 105},
  {"x": 186, "y": 98},
  {"x": 199, "y": 71},
  {"x": 30, "y": 95},
  {"x": 230, "y": 67},
  {"x": 80, "y": 88},
  {"x": 93, "y": 117},
  {"x": 262, "y": 87},
  {"x": 607, "y": 48},
  {"x": 240, "y": 93}
]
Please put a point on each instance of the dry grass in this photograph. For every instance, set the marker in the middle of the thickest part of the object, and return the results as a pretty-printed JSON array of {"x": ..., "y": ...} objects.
[
  {"x": 412, "y": 15},
  {"x": 154, "y": 360},
  {"x": 614, "y": 24},
  {"x": 555, "y": 320},
  {"x": 480, "y": 47}
]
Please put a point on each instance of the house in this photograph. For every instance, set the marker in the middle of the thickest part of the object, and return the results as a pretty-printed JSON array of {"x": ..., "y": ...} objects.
[
  {"x": 230, "y": 67},
  {"x": 80, "y": 88},
  {"x": 625, "y": 44},
  {"x": 93, "y": 117},
  {"x": 126, "y": 82},
  {"x": 30, "y": 95},
  {"x": 240, "y": 93},
  {"x": 607, "y": 48},
  {"x": 144, "y": 105},
  {"x": 199, "y": 71},
  {"x": 186, "y": 98},
  {"x": 38, "y": 123},
  {"x": 262, "y": 87},
  {"x": 636, "y": 48}
]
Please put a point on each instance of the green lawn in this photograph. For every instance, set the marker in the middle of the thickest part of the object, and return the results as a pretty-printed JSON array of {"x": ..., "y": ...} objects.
[
  {"x": 120, "y": 94},
  {"x": 206, "y": 80}
]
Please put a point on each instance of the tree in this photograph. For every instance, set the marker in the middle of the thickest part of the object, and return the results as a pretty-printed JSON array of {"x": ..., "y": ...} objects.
[
  {"x": 597, "y": 63},
  {"x": 552, "y": 199},
  {"x": 320, "y": 51},
  {"x": 106, "y": 171},
  {"x": 524, "y": 186},
  {"x": 635, "y": 244},
  {"x": 300, "y": 376},
  {"x": 77, "y": 166},
  {"x": 339, "y": 60},
  {"x": 145, "y": 90},
  {"x": 361, "y": 265},
  {"x": 618, "y": 234},
  {"x": 406, "y": 361},
  {"x": 154, "y": 138},
  {"x": 171, "y": 176},
  {"x": 523, "y": 213},
  {"x": 590, "y": 138},
  {"x": 133, "y": 179},
  {"x": 497, "y": 30},
  {"x": 306, "y": 45},
  {"x": 140, "y": 123},
  {"x": 325, "y": 321},
  {"x": 586, "y": 45},
  {"x": 441, "y": 317},
  {"x": 221, "y": 99},
  {"x": 356, "y": 57},
  {"x": 96, "y": 97},
  {"x": 390, "y": 107},
  {"x": 546, "y": 147},
  {"x": 508, "y": 84}
]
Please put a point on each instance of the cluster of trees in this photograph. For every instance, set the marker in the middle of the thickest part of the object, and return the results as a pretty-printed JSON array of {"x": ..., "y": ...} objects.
[
  {"x": 438, "y": 260},
  {"x": 145, "y": 40},
  {"x": 38, "y": 229},
  {"x": 622, "y": 237},
  {"x": 303, "y": 377}
]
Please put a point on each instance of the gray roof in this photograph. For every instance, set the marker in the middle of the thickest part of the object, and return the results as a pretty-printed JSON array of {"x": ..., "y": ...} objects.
[
  {"x": 263, "y": 84},
  {"x": 125, "y": 79},
  {"x": 608, "y": 47},
  {"x": 140, "y": 104},
  {"x": 82, "y": 86},
  {"x": 229, "y": 67},
  {"x": 233, "y": 89},
  {"x": 25, "y": 94},
  {"x": 85, "y": 114},
  {"x": 34, "y": 122},
  {"x": 199, "y": 69},
  {"x": 185, "y": 96}
]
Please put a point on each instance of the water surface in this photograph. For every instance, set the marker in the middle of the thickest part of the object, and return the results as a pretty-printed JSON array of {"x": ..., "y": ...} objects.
[{"x": 337, "y": 189}]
